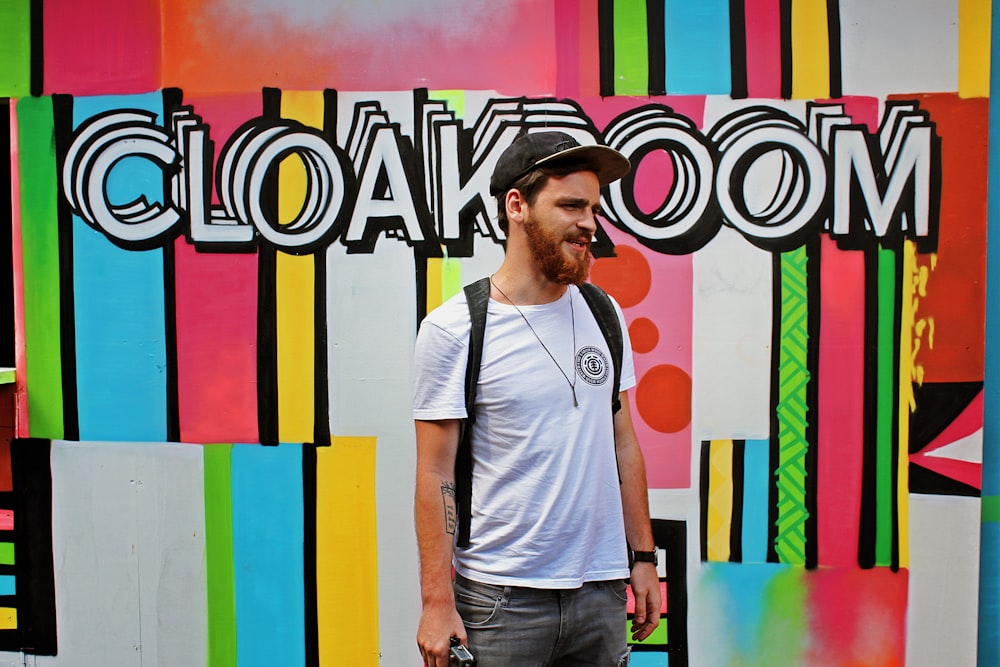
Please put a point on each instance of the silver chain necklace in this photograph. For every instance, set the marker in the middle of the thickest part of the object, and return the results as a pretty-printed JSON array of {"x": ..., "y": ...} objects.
[{"x": 572, "y": 316}]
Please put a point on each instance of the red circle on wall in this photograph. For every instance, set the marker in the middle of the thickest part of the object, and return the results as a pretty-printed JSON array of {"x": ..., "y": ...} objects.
[
  {"x": 663, "y": 398},
  {"x": 644, "y": 334},
  {"x": 626, "y": 277}
]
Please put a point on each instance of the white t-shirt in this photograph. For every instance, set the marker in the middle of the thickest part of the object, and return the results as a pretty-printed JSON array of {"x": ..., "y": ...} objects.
[{"x": 546, "y": 502}]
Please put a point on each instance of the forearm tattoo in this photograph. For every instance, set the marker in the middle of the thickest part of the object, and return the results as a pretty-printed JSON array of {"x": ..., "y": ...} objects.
[{"x": 450, "y": 507}]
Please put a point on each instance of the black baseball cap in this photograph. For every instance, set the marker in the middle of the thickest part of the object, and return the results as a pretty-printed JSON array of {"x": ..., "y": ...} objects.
[{"x": 539, "y": 149}]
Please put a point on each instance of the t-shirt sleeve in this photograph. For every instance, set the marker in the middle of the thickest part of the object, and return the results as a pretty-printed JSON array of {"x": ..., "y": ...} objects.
[{"x": 440, "y": 359}]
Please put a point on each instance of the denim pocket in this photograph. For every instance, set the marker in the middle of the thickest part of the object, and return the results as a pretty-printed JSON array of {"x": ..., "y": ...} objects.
[
  {"x": 477, "y": 607},
  {"x": 618, "y": 588}
]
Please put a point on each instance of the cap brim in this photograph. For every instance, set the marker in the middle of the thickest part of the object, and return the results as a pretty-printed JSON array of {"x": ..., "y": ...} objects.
[{"x": 607, "y": 163}]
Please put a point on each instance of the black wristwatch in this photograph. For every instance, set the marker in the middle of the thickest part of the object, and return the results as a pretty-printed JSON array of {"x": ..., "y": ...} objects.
[{"x": 644, "y": 557}]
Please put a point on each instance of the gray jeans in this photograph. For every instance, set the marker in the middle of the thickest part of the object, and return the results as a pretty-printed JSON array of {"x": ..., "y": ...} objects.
[{"x": 509, "y": 626}]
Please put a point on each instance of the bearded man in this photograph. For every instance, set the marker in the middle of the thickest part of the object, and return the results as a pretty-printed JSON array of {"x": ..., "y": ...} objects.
[{"x": 559, "y": 492}]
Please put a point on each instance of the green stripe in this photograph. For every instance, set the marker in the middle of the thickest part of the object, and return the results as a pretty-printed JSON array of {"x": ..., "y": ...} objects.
[
  {"x": 15, "y": 48},
  {"x": 451, "y": 278},
  {"x": 40, "y": 254},
  {"x": 8, "y": 375},
  {"x": 792, "y": 409},
  {"x": 219, "y": 556},
  {"x": 885, "y": 407},
  {"x": 6, "y": 553},
  {"x": 631, "y": 48},
  {"x": 991, "y": 509}
]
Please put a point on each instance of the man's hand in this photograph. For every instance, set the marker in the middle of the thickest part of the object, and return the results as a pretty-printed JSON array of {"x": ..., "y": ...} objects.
[
  {"x": 646, "y": 589},
  {"x": 437, "y": 626}
]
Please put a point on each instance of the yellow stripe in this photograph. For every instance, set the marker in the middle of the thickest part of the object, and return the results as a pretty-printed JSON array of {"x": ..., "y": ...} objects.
[
  {"x": 435, "y": 270},
  {"x": 907, "y": 402},
  {"x": 974, "y": 48},
  {"x": 810, "y": 50},
  {"x": 296, "y": 280},
  {"x": 8, "y": 618},
  {"x": 720, "y": 500},
  {"x": 346, "y": 549}
]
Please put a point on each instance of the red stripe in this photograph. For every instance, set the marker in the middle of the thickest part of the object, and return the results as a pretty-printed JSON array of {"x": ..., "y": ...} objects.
[
  {"x": 102, "y": 47},
  {"x": 567, "y": 48},
  {"x": 763, "y": 26},
  {"x": 217, "y": 318}
]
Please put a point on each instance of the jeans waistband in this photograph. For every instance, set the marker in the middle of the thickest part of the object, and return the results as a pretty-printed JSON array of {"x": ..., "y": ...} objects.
[{"x": 495, "y": 590}]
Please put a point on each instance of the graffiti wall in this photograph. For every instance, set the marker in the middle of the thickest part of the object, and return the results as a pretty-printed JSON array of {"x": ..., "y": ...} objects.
[{"x": 228, "y": 219}]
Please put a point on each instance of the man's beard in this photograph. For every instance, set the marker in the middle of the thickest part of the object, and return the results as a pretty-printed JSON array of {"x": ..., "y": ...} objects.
[{"x": 546, "y": 247}]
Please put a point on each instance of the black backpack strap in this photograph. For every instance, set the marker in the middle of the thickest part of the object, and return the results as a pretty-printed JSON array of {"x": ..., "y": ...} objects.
[
  {"x": 607, "y": 318},
  {"x": 477, "y": 295}
]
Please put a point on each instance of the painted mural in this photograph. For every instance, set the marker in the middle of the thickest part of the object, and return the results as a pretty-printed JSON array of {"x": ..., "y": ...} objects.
[{"x": 228, "y": 219}]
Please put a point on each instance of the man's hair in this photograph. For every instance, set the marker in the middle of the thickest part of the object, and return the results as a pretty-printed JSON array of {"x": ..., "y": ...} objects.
[{"x": 533, "y": 182}]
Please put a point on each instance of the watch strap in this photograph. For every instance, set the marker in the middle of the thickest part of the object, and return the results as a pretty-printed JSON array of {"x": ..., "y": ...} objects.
[{"x": 644, "y": 557}]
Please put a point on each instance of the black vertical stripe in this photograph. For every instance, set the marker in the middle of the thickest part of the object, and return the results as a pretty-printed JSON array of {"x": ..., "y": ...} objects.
[
  {"x": 330, "y": 115},
  {"x": 738, "y": 49},
  {"x": 706, "y": 449},
  {"x": 655, "y": 29},
  {"x": 62, "y": 116},
  {"x": 37, "y": 21},
  {"x": 267, "y": 300},
  {"x": 869, "y": 473},
  {"x": 172, "y": 100},
  {"x": 7, "y": 352},
  {"x": 812, "y": 248},
  {"x": 836, "y": 67},
  {"x": 606, "y": 45},
  {"x": 786, "y": 48},
  {"x": 736, "y": 525},
  {"x": 897, "y": 321},
  {"x": 420, "y": 271},
  {"x": 775, "y": 426},
  {"x": 34, "y": 573},
  {"x": 321, "y": 381}
]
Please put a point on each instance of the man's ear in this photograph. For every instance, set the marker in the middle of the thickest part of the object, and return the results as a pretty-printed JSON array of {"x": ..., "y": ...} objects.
[{"x": 515, "y": 204}]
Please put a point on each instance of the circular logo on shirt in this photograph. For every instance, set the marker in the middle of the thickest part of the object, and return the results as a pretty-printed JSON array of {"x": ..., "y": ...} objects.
[{"x": 592, "y": 365}]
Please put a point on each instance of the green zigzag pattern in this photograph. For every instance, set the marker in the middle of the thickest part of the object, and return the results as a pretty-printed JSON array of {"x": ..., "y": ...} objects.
[{"x": 792, "y": 409}]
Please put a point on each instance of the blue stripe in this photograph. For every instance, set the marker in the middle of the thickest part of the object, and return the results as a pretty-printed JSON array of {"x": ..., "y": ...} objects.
[
  {"x": 8, "y": 585},
  {"x": 119, "y": 302},
  {"x": 696, "y": 45},
  {"x": 268, "y": 554},
  {"x": 989, "y": 575},
  {"x": 756, "y": 473},
  {"x": 649, "y": 659}
]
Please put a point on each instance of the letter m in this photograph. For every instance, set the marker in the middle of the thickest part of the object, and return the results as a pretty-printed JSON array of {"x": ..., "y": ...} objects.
[{"x": 888, "y": 188}]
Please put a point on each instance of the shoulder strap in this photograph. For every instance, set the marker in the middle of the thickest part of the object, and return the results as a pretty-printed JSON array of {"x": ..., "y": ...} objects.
[
  {"x": 607, "y": 318},
  {"x": 477, "y": 295}
]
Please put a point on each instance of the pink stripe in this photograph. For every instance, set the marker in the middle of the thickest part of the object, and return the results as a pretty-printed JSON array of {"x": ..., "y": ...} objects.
[
  {"x": 567, "y": 48},
  {"x": 589, "y": 60},
  {"x": 840, "y": 445},
  {"x": 20, "y": 370},
  {"x": 852, "y": 615},
  {"x": 6, "y": 519},
  {"x": 102, "y": 46},
  {"x": 669, "y": 305},
  {"x": 216, "y": 297},
  {"x": 763, "y": 34}
]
